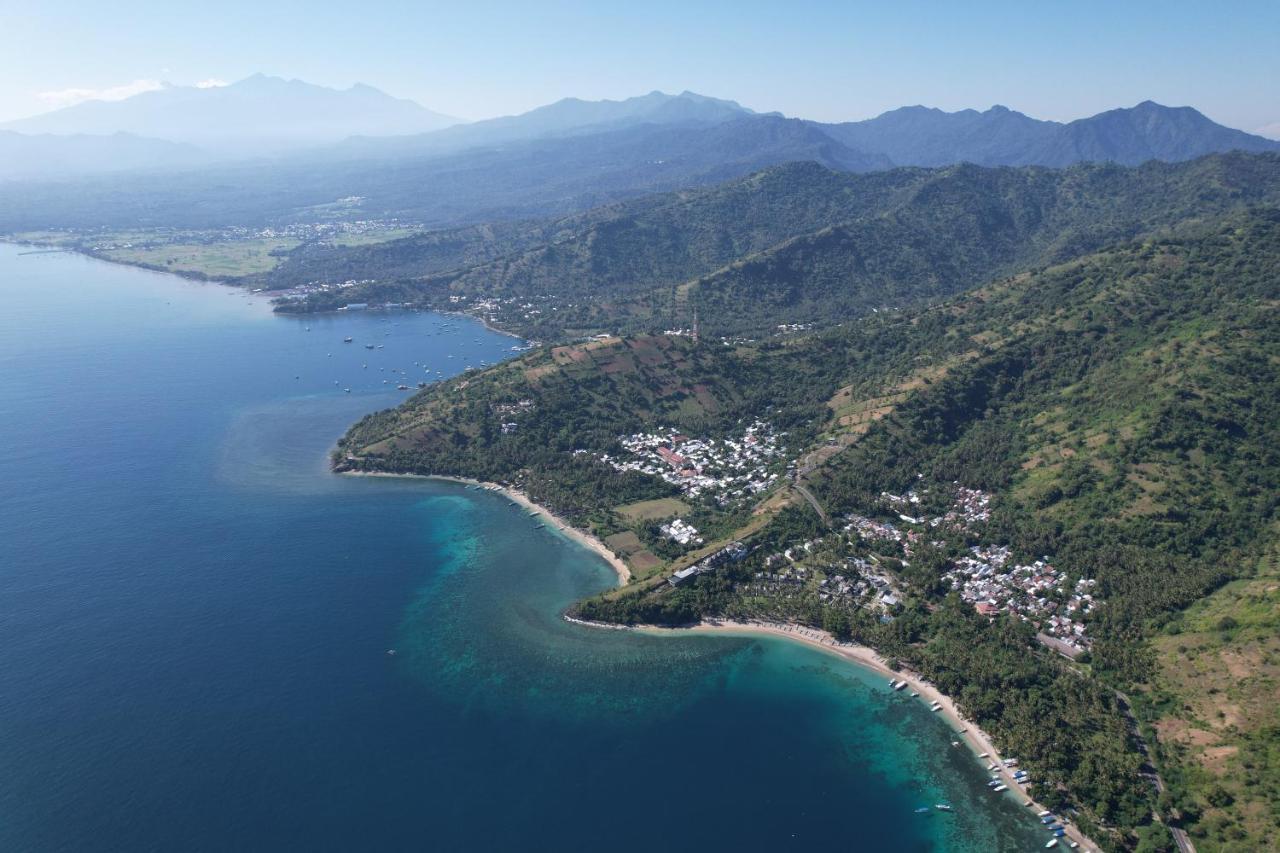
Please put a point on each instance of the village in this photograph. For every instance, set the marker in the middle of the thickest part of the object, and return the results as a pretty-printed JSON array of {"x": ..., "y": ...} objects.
[
  {"x": 1036, "y": 592},
  {"x": 726, "y": 470}
]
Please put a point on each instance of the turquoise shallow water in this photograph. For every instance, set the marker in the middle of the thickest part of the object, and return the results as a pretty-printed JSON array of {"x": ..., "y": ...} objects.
[{"x": 194, "y": 615}]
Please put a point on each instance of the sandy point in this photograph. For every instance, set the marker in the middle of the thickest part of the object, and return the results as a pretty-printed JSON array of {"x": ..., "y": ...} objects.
[{"x": 582, "y": 537}]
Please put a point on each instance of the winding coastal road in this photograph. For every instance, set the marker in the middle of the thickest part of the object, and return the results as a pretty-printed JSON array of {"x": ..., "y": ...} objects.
[{"x": 1150, "y": 773}]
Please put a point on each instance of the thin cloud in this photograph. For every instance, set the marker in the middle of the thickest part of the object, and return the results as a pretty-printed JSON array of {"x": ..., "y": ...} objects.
[
  {"x": 1271, "y": 131},
  {"x": 212, "y": 83},
  {"x": 69, "y": 97}
]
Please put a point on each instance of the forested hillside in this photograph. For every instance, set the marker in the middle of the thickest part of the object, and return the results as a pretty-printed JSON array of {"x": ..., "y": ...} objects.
[{"x": 634, "y": 250}]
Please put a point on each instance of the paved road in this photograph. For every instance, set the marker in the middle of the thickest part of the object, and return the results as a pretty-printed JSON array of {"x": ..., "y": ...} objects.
[{"x": 813, "y": 502}]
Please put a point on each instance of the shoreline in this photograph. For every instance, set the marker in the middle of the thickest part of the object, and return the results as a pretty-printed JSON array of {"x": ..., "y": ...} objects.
[
  {"x": 578, "y": 535},
  {"x": 963, "y": 730}
]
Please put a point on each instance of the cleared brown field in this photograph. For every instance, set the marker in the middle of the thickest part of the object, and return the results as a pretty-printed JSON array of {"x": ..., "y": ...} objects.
[{"x": 652, "y": 510}]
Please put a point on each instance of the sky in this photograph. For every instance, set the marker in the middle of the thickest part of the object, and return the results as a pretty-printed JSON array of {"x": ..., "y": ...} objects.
[{"x": 831, "y": 61}]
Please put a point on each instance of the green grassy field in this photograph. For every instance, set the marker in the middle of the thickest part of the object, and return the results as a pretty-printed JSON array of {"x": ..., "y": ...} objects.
[
  {"x": 373, "y": 237},
  {"x": 231, "y": 259}
]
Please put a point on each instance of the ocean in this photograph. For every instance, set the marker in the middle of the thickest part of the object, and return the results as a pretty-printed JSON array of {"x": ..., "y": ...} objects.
[{"x": 195, "y": 616}]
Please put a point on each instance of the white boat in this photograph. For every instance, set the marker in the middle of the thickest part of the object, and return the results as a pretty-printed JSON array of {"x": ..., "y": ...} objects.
[
  {"x": 1053, "y": 842},
  {"x": 999, "y": 788},
  {"x": 985, "y": 755}
]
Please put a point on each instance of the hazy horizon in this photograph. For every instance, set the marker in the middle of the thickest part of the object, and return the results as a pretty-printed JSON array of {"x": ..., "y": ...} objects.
[
  {"x": 819, "y": 61},
  {"x": 134, "y": 90}
]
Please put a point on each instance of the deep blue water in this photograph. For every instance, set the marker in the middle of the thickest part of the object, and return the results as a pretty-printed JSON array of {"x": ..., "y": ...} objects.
[{"x": 194, "y": 615}]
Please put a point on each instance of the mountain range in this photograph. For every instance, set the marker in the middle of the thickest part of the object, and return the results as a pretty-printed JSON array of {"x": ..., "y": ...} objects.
[
  {"x": 920, "y": 136},
  {"x": 401, "y": 161}
]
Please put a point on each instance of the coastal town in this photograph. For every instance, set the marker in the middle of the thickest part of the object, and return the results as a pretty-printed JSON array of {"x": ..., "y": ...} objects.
[{"x": 852, "y": 567}]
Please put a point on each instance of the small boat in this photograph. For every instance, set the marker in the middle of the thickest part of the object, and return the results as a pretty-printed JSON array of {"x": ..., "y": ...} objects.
[
  {"x": 1053, "y": 842},
  {"x": 943, "y": 807},
  {"x": 955, "y": 743},
  {"x": 999, "y": 788},
  {"x": 368, "y": 346},
  {"x": 391, "y": 652},
  {"x": 346, "y": 390},
  {"x": 922, "y": 810},
  {"x": 985, "y": 755},
  {"x": 347, "y": 340},
  {"x": 1073, "y": 844},
  {"x": 1043, "y": 813},
  {"x": 901, "y": 685},
  {"x": 914, "y": 694}
]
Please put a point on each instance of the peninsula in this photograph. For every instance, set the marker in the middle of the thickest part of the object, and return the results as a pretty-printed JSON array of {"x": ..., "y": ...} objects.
[{"x": 985, "y": 490}]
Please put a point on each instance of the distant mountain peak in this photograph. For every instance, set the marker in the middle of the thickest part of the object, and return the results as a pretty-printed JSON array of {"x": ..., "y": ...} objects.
[{"x": 258, "y": 114}]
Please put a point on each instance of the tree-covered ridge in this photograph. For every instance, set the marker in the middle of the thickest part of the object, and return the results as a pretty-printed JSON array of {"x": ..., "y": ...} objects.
[
  {"x": 793, "y": 244},
  {"x": 966, "y": 225}
]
